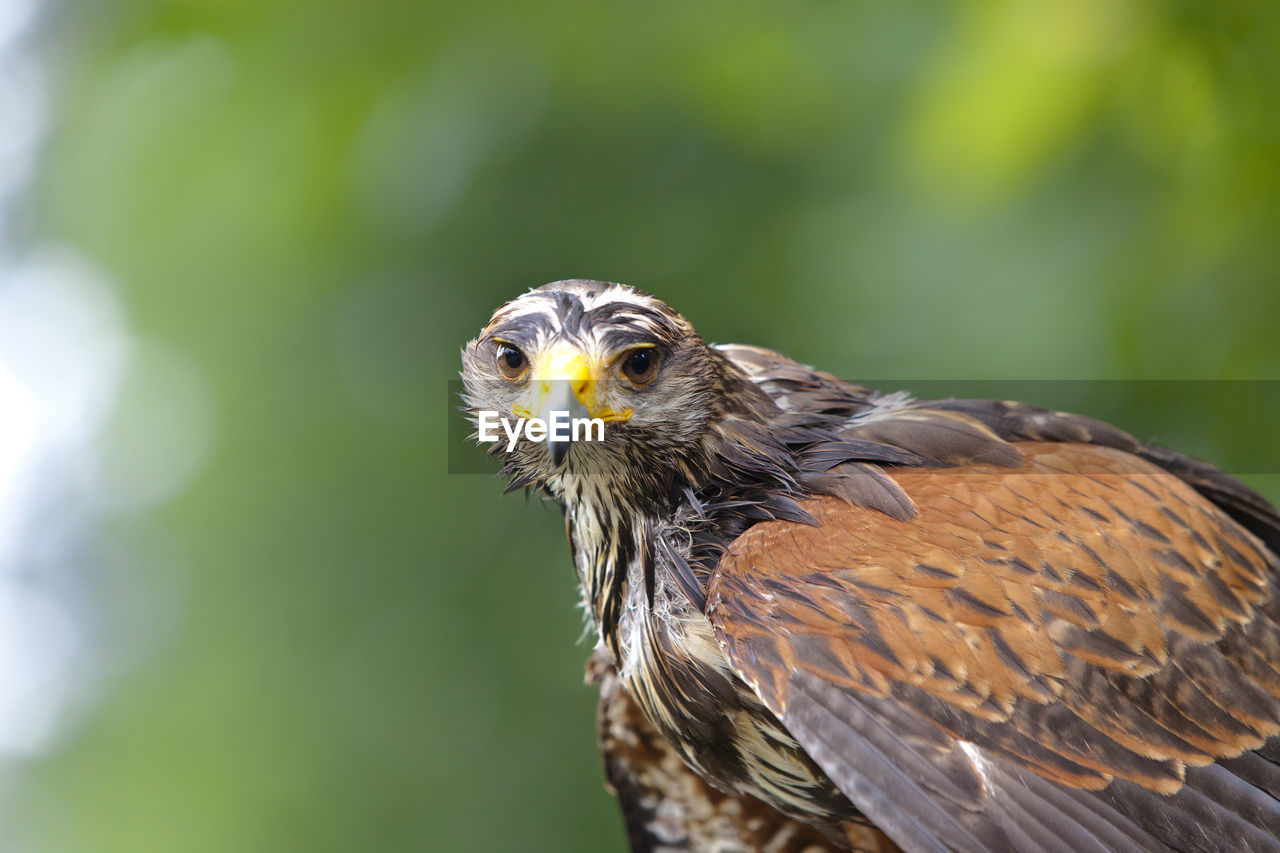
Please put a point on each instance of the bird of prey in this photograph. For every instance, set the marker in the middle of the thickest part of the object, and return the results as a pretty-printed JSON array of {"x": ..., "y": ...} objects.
[{"x": 835, "y": 618}]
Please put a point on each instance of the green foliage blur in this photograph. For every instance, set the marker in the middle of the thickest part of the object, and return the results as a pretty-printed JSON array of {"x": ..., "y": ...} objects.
[{"x": 318, "y": 202}]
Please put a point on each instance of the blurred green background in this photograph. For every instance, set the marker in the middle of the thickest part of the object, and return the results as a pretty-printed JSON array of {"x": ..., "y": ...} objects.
[{"x": 290, "y": 627}]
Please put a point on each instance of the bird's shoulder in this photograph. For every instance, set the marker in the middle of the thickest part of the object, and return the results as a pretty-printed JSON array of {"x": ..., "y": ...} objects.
[{"x": 949, "y": 432}]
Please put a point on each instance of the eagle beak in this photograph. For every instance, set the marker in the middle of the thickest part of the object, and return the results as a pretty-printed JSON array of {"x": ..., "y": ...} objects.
[
  {"x": 565, "y": 380},
  {"x": 568, "y": 394}
]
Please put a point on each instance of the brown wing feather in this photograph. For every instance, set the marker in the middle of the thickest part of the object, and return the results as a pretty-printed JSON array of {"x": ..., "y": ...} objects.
[{"x": 1086, "y": 616}]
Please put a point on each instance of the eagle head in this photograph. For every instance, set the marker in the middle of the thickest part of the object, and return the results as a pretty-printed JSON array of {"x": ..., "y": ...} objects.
[{"x": 634, "y": 374}]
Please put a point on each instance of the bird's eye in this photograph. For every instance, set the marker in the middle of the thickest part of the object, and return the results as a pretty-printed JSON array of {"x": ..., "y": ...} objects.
[
  {"x": 640, "y": 365},
  {"x": 511, "y": 362}
]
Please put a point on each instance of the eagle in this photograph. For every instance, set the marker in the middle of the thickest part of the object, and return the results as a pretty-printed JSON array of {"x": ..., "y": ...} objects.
[{"x": 836, "y": 618}]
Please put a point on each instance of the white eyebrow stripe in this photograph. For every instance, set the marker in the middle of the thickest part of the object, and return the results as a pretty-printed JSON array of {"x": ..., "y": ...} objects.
[
  {"x": 624, "y": 310},
  {"x": 615, "y": 293}
]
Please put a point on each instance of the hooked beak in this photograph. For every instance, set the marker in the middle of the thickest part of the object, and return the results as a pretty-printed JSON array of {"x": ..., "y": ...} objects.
[
  {"x": 566, "y": 381},
  {"x": 563, "y": 396}
]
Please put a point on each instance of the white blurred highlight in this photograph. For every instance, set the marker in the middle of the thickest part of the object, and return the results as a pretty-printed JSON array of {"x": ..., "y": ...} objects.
[
  {"x": 93, "y": 424},
  {"x": 61, "y": 357}
]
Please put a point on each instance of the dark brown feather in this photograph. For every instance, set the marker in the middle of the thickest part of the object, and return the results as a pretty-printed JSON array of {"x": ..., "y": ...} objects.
[{"x": 668, "y": 807}]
